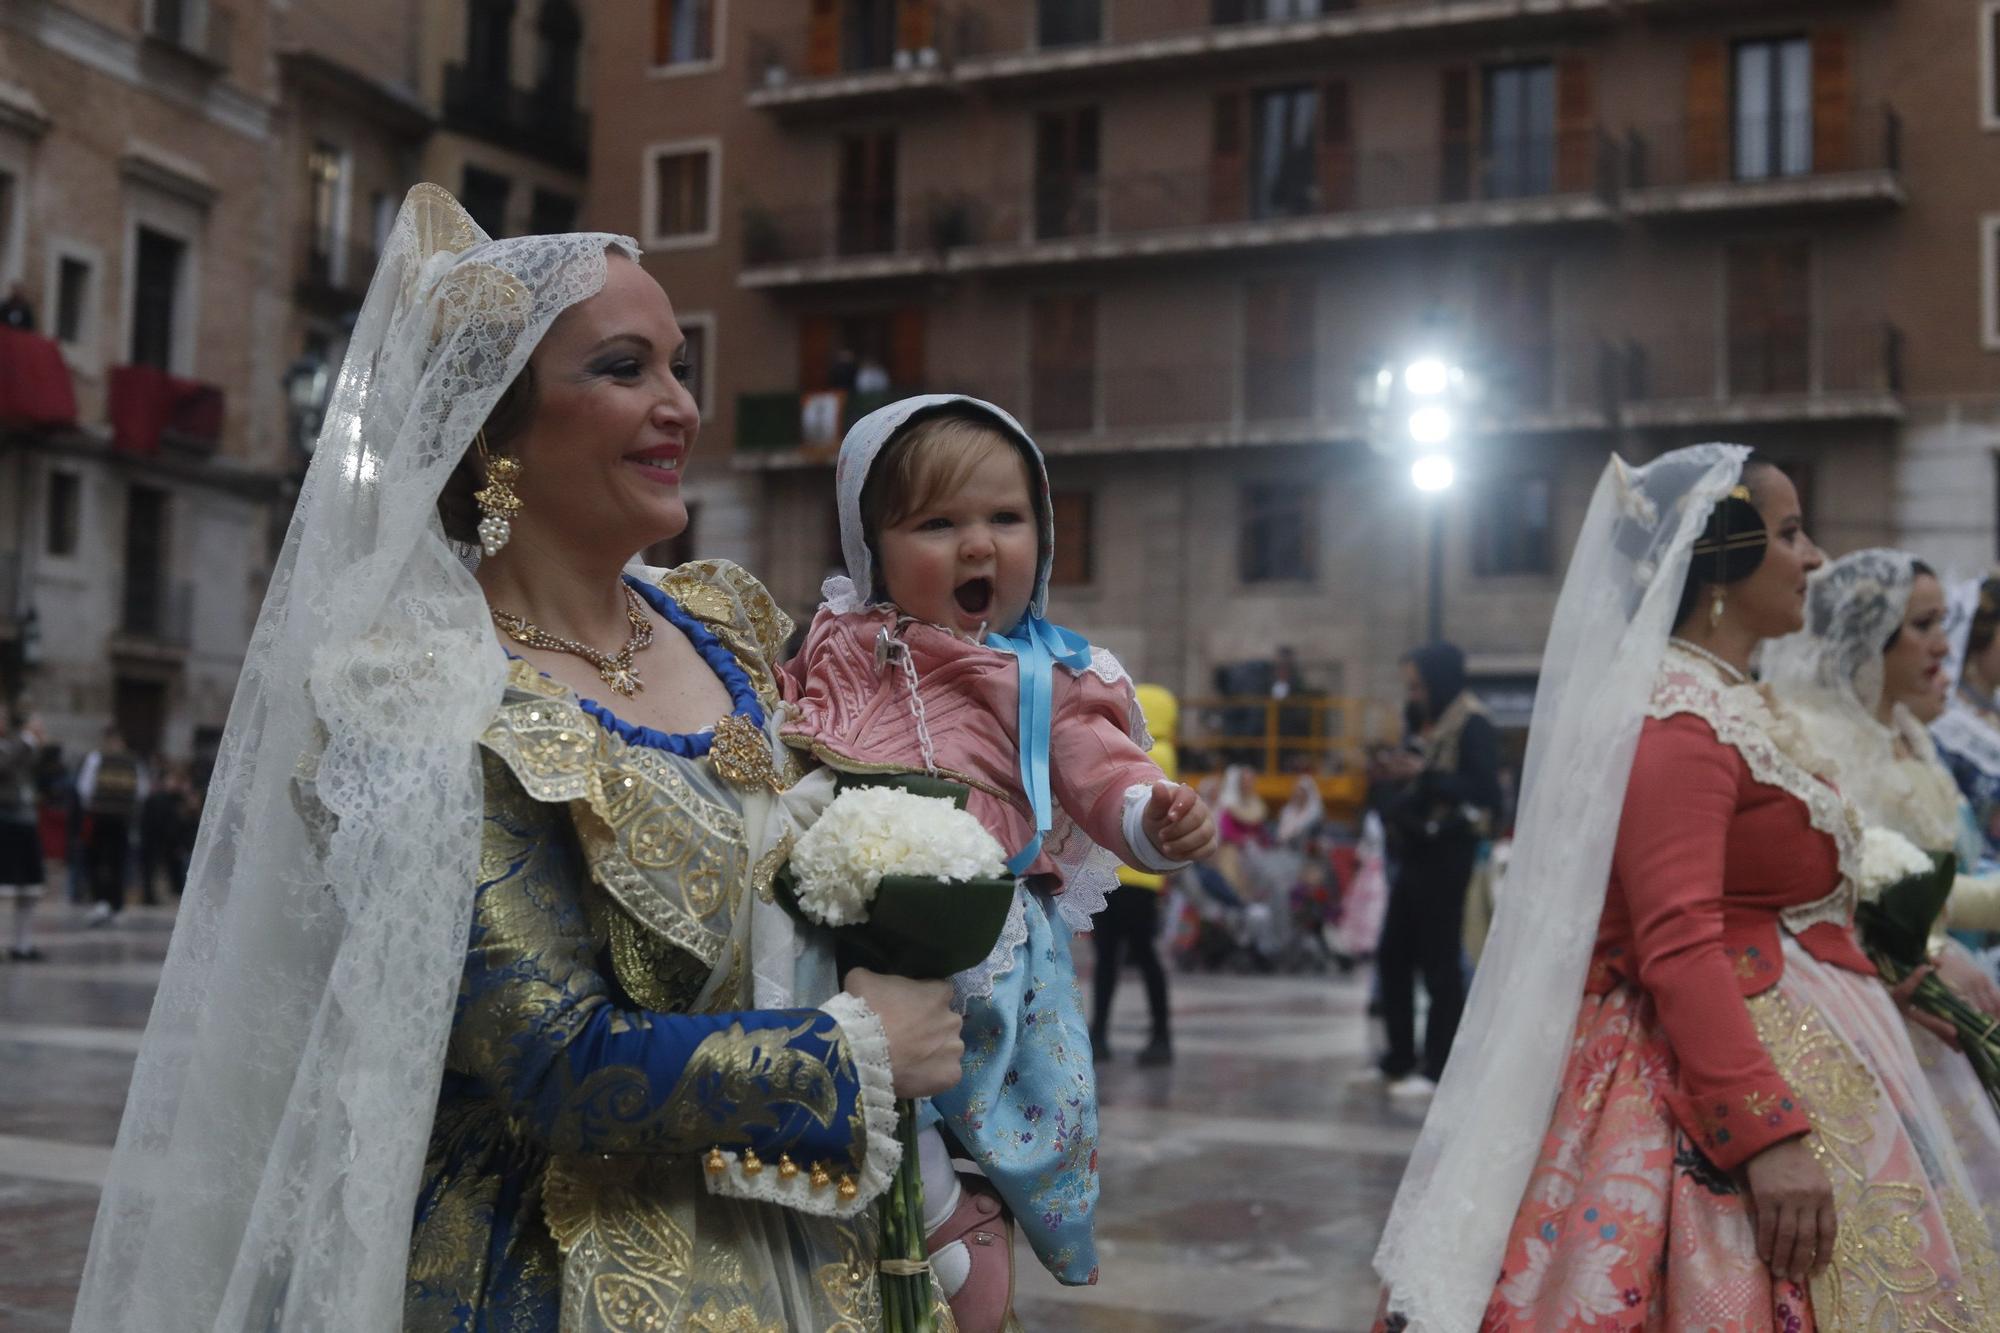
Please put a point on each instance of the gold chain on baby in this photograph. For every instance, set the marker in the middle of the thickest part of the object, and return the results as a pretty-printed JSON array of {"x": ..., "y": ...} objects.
[{"x": 617, "y": 671}]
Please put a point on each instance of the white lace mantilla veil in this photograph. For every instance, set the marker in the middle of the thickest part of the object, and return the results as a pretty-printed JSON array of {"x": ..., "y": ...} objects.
[
  {"x": 1441, "y": 1252},
  {"x": 266, "y": 1171},
  {"x": 1830, "y": 674},
  {"x": 1962, "y": 730}
]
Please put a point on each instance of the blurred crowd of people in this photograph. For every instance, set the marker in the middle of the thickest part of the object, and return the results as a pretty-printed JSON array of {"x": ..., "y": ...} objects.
[{"x": 113, "y": 821}]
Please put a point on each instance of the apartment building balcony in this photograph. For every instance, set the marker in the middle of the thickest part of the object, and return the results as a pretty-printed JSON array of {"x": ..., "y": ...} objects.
[
  {"x": 1832, "y": 374},
  {"x": 1255, "y": 401},
  {"x": 526, "y": 120},
  {"x": 857, "y": 239},
  {"x": 151, "y": 410},
  {"x": 194, "y": 37},
  {"x": 333, "y": 274},
  {"x": 1695, "y": 168},
  {"x": 1253, "y": 42},
  {"x": 36, "y": 391},
  {"x": 802, "y": 71},
  {"x": 1559, "y": 181}
]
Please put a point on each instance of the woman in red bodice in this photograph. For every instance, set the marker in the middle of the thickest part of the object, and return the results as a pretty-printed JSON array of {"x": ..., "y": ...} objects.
[{"x": 1741, "y": 1137}]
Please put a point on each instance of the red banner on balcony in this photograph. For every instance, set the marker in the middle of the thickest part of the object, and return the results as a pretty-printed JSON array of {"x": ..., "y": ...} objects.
[
  {"x": 149, "y": 406},
  {"x": 35, "y": 388}
]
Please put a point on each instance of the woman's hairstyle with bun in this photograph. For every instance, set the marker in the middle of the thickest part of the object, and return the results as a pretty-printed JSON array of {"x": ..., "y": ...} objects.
[{"x": 1732, "y": 545}]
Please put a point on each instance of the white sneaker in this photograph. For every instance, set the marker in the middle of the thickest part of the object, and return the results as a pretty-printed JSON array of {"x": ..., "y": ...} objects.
[{"x": 1412, "y": 1086}]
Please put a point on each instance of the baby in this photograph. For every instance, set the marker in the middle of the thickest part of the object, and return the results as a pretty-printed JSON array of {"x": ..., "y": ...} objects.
[{"x": 934, "y": 656}]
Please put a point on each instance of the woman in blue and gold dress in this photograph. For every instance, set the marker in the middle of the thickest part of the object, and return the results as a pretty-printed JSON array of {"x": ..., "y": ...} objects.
[{"x": 475, "y": 1016}]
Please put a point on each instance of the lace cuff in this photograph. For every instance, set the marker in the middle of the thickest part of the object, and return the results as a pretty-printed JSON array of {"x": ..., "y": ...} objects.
[
  {"x": 815, "y": 1187},
  {"x": 1145, "y": 856},
  {"x": 1734, "y": 1125}
]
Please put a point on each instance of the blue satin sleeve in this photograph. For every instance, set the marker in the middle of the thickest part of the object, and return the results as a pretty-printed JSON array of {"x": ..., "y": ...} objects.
[{"x": 543, "y": 1031}]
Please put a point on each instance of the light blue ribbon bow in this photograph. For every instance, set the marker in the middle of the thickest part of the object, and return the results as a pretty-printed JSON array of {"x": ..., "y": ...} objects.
[{"x": 1039, "y": 647}]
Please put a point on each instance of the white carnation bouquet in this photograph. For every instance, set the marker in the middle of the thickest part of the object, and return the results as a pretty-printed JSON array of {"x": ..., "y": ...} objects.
[
  {"x": 911, "y": 885},
  {"x": 869, "y": 833},
  {"x": 1888, "y": 858}
]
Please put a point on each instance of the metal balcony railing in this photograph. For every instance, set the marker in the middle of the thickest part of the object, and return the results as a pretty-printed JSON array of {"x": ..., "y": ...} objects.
[
  {"x": 527, "y": 119},
  {"x": 1755, "y": 148},
  {"x": 1806, "y": 362},
  {"x": 157, "y": 611}
]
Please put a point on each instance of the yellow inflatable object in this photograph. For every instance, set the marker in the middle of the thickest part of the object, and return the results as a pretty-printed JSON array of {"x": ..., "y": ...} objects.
[{"x": 1163, "y": 714}]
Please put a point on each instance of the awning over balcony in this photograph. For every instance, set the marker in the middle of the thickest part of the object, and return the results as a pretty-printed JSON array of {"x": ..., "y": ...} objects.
[
  {"x": 150, "y": 407},
  {"x": 35, "y": 388}
]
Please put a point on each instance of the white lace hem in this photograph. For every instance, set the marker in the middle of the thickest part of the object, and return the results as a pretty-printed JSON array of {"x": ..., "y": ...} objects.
[
  {"x": 869, "y": 1047},
  {"x": 976, "y": 982}
]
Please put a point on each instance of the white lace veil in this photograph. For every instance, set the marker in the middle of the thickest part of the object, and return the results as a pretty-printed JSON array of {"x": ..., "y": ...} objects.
[
  {"x": 1963, "y": 729},
  {"x": 266, "y": 1170},
  {"x": 1441, "y": 1252},
  {"x": 1854, "y": 605}
]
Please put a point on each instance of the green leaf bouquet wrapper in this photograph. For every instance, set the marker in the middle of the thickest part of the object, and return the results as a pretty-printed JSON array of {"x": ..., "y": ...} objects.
[
  {"x": 928, "y": 929},
  {"x": 1896, "y": 929}
]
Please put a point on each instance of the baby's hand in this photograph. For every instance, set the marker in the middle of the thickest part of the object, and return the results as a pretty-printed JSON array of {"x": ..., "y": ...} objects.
[{"x": 1179, "y": 823}]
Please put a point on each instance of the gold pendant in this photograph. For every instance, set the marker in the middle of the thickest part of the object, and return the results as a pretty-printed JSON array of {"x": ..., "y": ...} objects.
[
  {"x": 742, "y": 755},
  {"x": 621, "y": 678}
]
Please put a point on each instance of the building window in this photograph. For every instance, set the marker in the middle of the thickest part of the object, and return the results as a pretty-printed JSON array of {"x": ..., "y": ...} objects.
[
  {"x": 489, "y": 43},
  {"x": 684, "y": 32},
  {"x": 1276, "y": 537},
  {"x": 156, "y": 294},
  {"x": 326, "y": 184},
  {"x": 1268, "y": 11},
  {"x": 1768, "y": 299},
  {"x": 561, "y": 32},
  {"x": 867, "y": 202},
  {"x": 1284, "y": 164},
  {"x": 1989, "y": 64},
  {"x": 1279, "y": 319},
  {"x": 1513, "y": 526},
  {"x": 64, "y": 528},
  {"x": 145, "y": 561},
  {"x": 1771, "y": 108},
  {"x": 485, "y": 198},
  {"x": 1068, "y": 22},
  {"x": 868, "y": 37},
  {"x": 382, "y": 220},
  {"x": 74, "y": 304},
  {"x": 698, "y": 352},
  {"x": 1066, "y": 173},
  {"x": 1989, "y": 286},
  {"x": 1074, "y": 560},
  {"x": 1518, "y": 130},
  {"x": 683, "y": 189},
  {"x": 1062, "y": 362},
  {"x": 551, "y": 212}
]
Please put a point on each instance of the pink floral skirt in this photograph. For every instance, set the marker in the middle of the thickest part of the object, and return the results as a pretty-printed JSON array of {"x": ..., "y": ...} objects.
[{"x": 1627, "y": 1226}]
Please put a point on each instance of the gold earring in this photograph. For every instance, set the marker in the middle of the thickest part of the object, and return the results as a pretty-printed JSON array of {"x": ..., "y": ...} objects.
[
  {"x": 498, "y": 504},
  {"x": 1715, "y": 611}
]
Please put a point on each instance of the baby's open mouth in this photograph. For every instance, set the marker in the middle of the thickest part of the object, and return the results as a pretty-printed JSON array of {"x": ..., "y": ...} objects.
[{"x": 974, "y": 596}]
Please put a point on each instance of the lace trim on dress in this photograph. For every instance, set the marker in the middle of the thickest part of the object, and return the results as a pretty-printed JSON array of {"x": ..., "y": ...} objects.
[
  {"x": 861, "y": 1031},
  {"x": 1775, "y": 749},
  {"x": 976, "y": 982}
]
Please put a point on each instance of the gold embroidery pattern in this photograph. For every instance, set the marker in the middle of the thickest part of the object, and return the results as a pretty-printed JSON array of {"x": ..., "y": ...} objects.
[
  {"x": 1882, "y": 1278},
  {"x": 738, "y": 1078}
]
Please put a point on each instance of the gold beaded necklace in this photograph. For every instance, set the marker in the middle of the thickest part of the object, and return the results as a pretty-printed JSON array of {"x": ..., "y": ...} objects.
[{"x": 617, "y": 672}]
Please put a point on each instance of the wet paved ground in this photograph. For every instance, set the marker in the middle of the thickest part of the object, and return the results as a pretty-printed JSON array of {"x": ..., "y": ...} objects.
[{"x": 1243, "y": 1187}]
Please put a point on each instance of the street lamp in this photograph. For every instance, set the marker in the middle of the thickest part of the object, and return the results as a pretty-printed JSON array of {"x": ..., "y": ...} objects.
[
  {"x": 308, "y": 387},
  {"x": 1416, "y": 406}
]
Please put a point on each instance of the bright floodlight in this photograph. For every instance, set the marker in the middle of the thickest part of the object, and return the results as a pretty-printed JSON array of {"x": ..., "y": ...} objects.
[
  {"x": 1432, "y": 472},
  {"x": 1431, "y": 425},
  {"x": 1427, "y": 378}
]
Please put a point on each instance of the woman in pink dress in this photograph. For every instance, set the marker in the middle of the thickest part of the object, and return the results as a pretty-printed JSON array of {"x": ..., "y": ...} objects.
[{"x": 1704, "y": 1113}]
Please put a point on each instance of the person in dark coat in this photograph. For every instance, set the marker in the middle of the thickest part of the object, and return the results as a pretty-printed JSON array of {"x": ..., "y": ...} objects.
[{"x": 1444, "y": 810}]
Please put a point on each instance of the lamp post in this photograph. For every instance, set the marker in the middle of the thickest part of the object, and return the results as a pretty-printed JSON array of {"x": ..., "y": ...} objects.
[
  {"x": 1417, "y": 407},
  {"x": 308, "y": 387}
]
